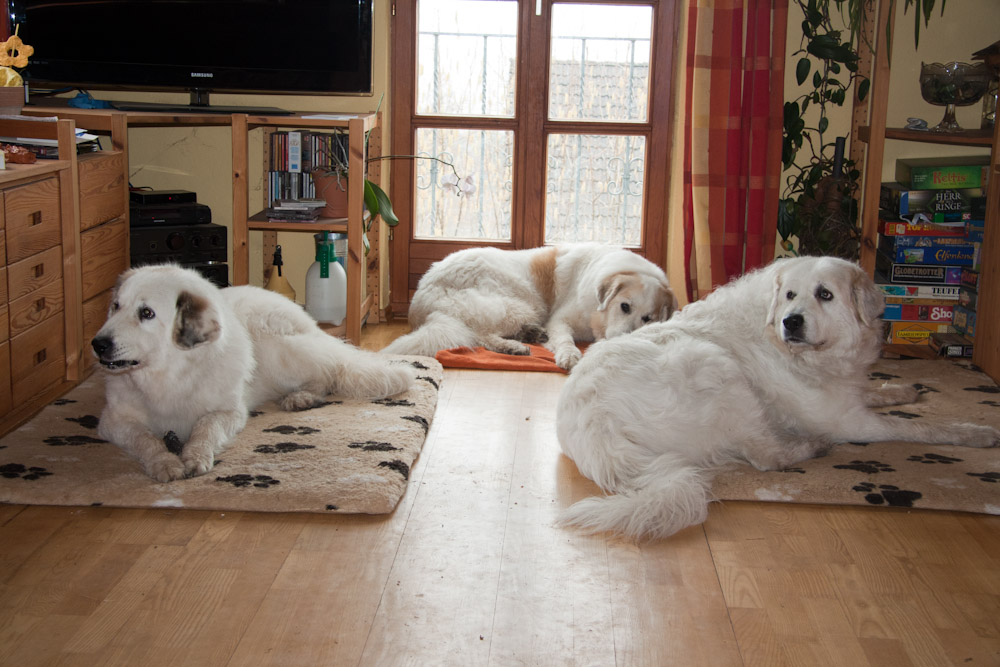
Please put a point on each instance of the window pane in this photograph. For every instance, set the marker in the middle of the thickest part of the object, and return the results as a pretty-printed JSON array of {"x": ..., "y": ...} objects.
[
  {"x": 594, "y": 188},
  {"x": 466, "y": 57},
  {"x": 447, "y": 210},
  {"x": 599, "y": 68}
]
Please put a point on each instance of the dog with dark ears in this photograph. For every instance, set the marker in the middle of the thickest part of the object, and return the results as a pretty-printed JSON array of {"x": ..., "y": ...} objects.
[{"x": 185, "y": 362}]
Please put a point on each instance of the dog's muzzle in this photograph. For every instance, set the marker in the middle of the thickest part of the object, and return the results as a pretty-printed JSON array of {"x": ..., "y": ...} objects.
[
  {"x": 793, "y": 328},
  {"x": 103, "y": 349}
]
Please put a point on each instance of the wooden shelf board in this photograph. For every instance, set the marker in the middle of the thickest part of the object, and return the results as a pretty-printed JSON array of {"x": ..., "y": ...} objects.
[
  {"x": 982, "y": 138},
  {"x": 260, "y": 222}
]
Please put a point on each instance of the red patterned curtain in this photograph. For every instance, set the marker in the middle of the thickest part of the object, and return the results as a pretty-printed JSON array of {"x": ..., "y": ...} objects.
[{"x": 730, "y": 118}]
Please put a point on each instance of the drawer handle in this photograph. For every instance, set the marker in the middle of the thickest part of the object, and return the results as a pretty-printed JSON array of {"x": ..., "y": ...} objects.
[
  {"x": 35, "y": 218},
  {"x": 40, "y": 357},
  {"x": 40, "y": 305},
  {"x": 38, "y": 270}
]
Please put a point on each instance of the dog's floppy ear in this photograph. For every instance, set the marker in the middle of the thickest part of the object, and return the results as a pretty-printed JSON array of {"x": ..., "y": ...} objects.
[
  {"x": 196, "y": 322},
  {"x": 772, "y": 311},
  {"x": 607, "y": 290},
  {"x": 869, "y": 301}
]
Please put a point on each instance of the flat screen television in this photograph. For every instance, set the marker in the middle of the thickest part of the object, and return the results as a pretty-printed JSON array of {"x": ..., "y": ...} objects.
[{"x": 298, "y": 47}]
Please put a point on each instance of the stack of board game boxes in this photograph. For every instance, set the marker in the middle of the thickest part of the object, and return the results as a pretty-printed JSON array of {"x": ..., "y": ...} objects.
[{"x": 927, "y": 264}]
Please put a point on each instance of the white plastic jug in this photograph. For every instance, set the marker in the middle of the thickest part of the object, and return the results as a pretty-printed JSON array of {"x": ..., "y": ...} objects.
[{"x": 326, "y": 284}]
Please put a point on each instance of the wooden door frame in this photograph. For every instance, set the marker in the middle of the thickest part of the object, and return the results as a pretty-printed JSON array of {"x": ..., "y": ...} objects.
[{"x": 528, "y": 201}]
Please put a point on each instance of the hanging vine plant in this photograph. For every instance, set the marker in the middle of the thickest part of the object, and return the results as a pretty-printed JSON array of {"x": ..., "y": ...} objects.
[{"x": 819, "y": 203}]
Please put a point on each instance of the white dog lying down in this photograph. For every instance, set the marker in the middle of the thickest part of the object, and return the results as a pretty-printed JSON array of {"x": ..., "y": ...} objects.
[
  {"x": 770, "y": 370},
  {"x": 500, "y": 299},
  {"x": 186, "y": 361}
]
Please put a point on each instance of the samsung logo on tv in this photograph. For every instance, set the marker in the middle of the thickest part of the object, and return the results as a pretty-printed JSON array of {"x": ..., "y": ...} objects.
[{"x": 202, "y": 75}]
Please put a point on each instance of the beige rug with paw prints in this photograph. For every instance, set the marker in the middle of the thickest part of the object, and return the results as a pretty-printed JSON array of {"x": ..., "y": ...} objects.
[{"x": 345, "y": 457}]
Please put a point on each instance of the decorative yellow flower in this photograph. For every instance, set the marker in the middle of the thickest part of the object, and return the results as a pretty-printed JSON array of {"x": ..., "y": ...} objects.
[{"x": 14, "y": 52}]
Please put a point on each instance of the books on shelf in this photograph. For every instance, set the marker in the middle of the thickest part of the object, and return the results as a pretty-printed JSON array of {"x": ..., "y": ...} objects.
[
  {"x": 943, "y": 173},
  {"x": 295, "y": 210},
  {"x": 920, "y": 310},
  {"x": 295, "y": 154},
  {"x": 927, "y": 250},
  {"x": 939, "y": 205},
  {"x": 951, "y": 344},
  {"x": 928, "y": 253}
]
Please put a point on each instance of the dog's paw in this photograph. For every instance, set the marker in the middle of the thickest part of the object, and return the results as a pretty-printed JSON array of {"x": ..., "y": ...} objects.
[
  {"x": 165, "y": 468},
  {"x": 198, "y": 464},
  {"x": 301, "y": 400},
  {"x": 976, "y": 435},
  {"x": 568, "y": 357}
]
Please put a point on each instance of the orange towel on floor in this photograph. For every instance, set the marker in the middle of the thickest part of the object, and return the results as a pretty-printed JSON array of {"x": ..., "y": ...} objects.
[{"x": 480, "y": 358}]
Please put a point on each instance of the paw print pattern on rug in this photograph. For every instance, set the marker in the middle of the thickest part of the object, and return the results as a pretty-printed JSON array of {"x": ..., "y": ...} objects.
[
  {"x": 419, "y": 366},
  {"x": 931, "y": 457},
  {"x": 86, "y": 421},
  {"x": 372, "y": 446},
  {"x": 867, "y": 467},
  {"x": 398, "y": 466},
  {"x": 393, "y": 402},
  {"x": 282, "y": 448},
  {"x": 902, "y": 414},
  {"x": 18, "y": 470},
  {"x": 992, "y": 404},
  {"x": 72, "y": 440},
  {"x": 63, "y": 401},
  {"x": 285, "y": 429},
  {"x": 429, "y": 381},
  {"x": 887, "y": 494},
  {"x": 924, "y": 389},
  {"x": 988, "y": 477},
  {"x": 799, "y": 470},
  {"x": 878, "y": 375},
  {"x": 244, "y": 480},
  {"x": 420, "y": 420},
  {"x": 985, "y": 388}
]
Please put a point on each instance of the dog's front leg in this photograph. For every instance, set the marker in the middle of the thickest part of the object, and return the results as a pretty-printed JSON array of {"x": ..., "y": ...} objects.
[
  {"x": 562, "y": 344},
  {"x": 210, "y": 436},
  {"x": 863, "y": 425},
  {"x": 891, "y": 394},
  {"x": 137, "y": 441}
]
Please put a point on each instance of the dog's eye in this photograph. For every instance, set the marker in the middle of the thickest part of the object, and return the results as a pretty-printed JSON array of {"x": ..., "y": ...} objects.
[
  {"x": 146, "y": 313},
  {"x": 626, "y": 308},
  {"x": 789, "y": 295},
  {"x": 114, "y": 306},
  {"x": 823, "y": 294}
]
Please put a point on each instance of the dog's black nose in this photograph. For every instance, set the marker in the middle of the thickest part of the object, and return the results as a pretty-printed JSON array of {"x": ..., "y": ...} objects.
[
  {"x": 793, "y": 323},
  {"x": 101, "y": 344}
]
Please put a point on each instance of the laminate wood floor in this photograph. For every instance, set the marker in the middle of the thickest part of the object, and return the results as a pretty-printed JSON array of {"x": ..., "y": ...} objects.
[{"x": 470, "y": 570}]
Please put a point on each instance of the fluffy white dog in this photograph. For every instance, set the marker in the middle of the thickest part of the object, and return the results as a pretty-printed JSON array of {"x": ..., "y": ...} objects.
[
  {"x": 185, "y": 361},
  {"x": 556, "y": 295},
  {"x": 769, "y": 370}
]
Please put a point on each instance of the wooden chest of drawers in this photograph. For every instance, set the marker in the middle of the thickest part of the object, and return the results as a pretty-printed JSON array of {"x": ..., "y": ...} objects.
[{"x": 33, "y": 353}]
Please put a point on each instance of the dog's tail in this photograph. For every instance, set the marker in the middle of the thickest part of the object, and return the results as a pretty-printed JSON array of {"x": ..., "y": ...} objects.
[
  {"x": 439, "y": 332},
  {"x": 670, "y": 495},
  {"x": 351, "y": 372}
]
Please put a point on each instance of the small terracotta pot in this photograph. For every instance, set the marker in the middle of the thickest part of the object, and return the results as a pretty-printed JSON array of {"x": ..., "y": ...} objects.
[{"x": 334, "y": 192}]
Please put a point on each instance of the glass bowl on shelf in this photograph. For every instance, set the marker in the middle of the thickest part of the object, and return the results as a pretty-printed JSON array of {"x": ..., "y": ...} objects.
[{"x": 951, "y": 85}]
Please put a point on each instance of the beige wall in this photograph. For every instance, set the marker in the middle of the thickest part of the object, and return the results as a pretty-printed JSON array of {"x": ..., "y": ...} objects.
[
  {"x": 200, "y": 159},
  {"x": 967, "y": 26}
]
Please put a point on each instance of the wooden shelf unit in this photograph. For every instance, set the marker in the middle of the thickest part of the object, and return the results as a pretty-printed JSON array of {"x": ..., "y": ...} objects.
[
  {"x": 362, "y": 272},
  {"x": 362, "y": 295},
  {"x": 874, "y": 135}
]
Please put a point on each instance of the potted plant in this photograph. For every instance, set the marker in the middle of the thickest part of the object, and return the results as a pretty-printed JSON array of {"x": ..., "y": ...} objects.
[
  {"x": 13, "y": 53},
  {"x": 330, "y": 180},
  {"x": 819, "y": 202}
]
